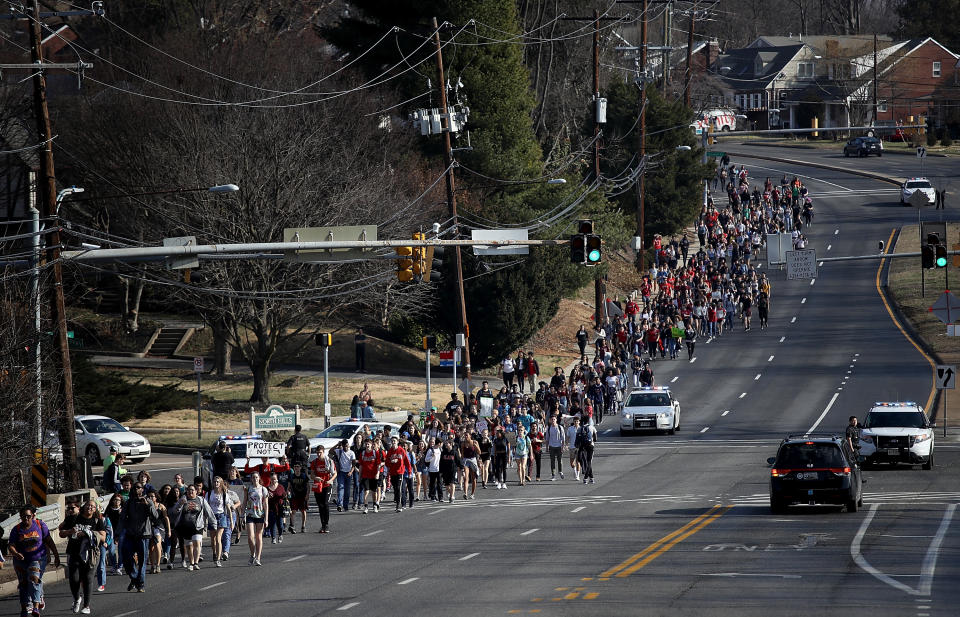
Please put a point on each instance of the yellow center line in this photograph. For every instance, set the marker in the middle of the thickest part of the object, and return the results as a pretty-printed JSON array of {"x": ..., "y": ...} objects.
[
  {"x": 896, "y": 322},
  {"x": 666, "y": 547},
  {"x": 630, "y": 560}
]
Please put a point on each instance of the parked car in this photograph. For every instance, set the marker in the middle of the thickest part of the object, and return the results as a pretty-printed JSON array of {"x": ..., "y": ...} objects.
[
  {"x": 863, "y": 146},
  {"x": 96, "y": 434}
]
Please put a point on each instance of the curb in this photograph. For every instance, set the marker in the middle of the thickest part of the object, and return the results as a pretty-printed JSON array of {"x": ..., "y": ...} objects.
[{"x": 856, "y": 172}]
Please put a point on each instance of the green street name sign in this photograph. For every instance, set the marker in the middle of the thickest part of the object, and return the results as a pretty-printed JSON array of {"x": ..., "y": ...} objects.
[{"x": 274, "y": 418}]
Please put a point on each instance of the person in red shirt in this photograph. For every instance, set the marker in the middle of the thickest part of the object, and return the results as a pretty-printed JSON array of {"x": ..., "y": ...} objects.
[
  {"x": 323, "y": 472},
  {"x": 370, "y": 463},
  {"x": 397, "y": 464},
  {"x": 265, "y": 468}
]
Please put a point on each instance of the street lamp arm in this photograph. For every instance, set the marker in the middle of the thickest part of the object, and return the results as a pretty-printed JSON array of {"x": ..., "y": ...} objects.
[{"x": 220, "y": 188}]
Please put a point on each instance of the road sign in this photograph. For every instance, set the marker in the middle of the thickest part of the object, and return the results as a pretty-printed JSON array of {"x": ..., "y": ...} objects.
[
  {"x": 946, "y": 308},
  {"x": 946, "y": 377},
  {"x": 198, "y": 365},
  {"x": 717, "y": 155},
  {"x": 499, "y": 234},
  {"x": 919, "y": 199},
  {"x": 802, "y": 264},
  {"x": 921, "y": 152},
  {"x": 446, "y": 358},
  {"x": 465, "y": 387},
  {"x": 328, "y": 234},
  {"x": 274, "y": 418},
  {"x": 182, "y": 263}
]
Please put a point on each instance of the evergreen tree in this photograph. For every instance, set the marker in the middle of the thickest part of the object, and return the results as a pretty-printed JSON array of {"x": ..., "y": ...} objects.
[
  {"x": 923, "y": 18},
  {"x": 673, "y": 181}
]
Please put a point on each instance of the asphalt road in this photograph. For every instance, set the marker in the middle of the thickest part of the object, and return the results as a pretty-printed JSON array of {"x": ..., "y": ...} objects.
[{"x": 676, "y": 525}]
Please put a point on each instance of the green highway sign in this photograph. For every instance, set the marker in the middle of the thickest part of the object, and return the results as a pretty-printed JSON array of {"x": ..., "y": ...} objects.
[{"x": 715, "y": 154}]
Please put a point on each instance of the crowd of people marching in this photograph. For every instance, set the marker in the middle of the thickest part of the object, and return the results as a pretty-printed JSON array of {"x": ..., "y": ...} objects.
[{"x": 527, "y": 423}]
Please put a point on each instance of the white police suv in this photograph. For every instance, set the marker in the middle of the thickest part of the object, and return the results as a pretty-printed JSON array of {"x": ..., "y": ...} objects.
[
  {"x": 912, "y": 185},
  {"x": 897, "y": 432},
  {"x": 650, "y": 409}
]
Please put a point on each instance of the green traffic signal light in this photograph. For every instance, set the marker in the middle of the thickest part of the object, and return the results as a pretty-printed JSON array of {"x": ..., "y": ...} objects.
[
  {"x": 594, "y": 256},
  {"x": 941, "y": 262},
  {"x": 941, "y": 252},
  {"x": 594, "y": 246}
]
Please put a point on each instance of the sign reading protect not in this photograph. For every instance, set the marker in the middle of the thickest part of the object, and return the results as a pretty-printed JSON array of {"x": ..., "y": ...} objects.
[{"x": 274, "y": 418}]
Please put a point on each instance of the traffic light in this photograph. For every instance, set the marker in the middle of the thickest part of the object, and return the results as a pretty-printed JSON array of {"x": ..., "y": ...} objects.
[
  {"x": 594, "y": 249},
  {"x": 929, "y": 251},
  {"x": 434, "y": 263},
  {"x": 584, "y": 226},
  {"x": 324, "y": 339},
  {"x": 941, "y": 256},
  {"x": 419, "y": 257},
  {"x": 404, "y": 263},
  {"x": 578, "y": 249},
  {"x": 429, "y": 342},
  {"x": 927, "y": 256}
]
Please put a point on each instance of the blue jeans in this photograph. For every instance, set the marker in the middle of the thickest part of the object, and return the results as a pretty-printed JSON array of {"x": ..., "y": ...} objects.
[
  {"x": 105, "y": 552},
  {"x": 357, "y": 489},
  {"x": 228, "y": 532},
  {"x": 30, "y": 578},
  {"x": 135, "y": 546},
  {"x": 274, "y": 524},
  {"x": 344, "y": 484}
]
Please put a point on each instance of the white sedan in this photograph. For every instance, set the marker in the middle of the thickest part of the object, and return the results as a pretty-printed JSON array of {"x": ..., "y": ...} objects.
[
  {"x": 917, "y": 184},
  {"x": 650, "y": 409},
  {"x": 97, "y": 434}
]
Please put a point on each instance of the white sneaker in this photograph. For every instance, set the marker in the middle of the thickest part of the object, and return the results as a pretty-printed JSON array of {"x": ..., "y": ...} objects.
[
  {"x": 256, "y": 562},
  {"x": 76, "y": 605},
  {"x": 85, "y": 610},
  {"x": 553, "y": 478},
  {"x": 218, "y": 564},
  {"x": 577, "y": 477},
  {"x": 183, "y": 564},
  {"x": 364, "y": 509},
  {"x": 591, "y": 480},
  {"x": 280, "y": 540},
  {"x": 584, "y": 480},
  {"x": 273, "y": 540},
  {"x": 561, "y": 475}
]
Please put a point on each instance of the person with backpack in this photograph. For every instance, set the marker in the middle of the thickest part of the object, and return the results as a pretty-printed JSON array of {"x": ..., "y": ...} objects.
[
  {"x": 586, "y": 440},
  {"x": 690, "y": 338},
  {"x": 298, "y": 486},
  {"x": 137, "y": 519},
  {"x": 323, "y": 471},
  {"x": 191, "y": 515},
  {"x": 521, "y": 454},
  {"x": 86, "y": 532}
]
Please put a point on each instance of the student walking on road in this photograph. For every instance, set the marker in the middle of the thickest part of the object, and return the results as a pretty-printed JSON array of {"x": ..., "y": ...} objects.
[
  {"x": 586, "y": 439},
  {"x": 255, "y": 512}
]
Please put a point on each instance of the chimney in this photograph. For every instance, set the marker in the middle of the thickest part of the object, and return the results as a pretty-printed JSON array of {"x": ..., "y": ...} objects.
[{"x": 711, "y": 51}]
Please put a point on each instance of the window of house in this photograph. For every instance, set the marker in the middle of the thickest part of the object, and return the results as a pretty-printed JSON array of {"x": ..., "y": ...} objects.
[
  {"x": 882, "y": 106},
  {"x": 805, "y": 70},
  {"x": 936, "y": 69}
]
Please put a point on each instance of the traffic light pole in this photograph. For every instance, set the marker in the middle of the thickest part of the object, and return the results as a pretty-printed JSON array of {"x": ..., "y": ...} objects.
[{"x": 452, "y": 204}]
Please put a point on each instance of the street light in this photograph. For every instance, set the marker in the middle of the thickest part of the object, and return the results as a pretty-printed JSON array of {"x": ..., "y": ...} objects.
[{"x": 219, "y": 188}]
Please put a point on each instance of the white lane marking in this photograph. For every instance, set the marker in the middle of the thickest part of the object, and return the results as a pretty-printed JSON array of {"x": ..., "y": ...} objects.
[
  {"x": 298, "y": 557},
  {"x": 725, "y": 413},
  {"x": 372, "y": 533},
  {"x": 829, "y": 246},
  {"x": 803, "y": 301},
  {"x": 770, "y": 359},
  {"x": 705, "y": 429},
  {"x": 575, "y": 510},
  {"x": 783, "y": 338},
  {"x": 848, "y": 372},
  {"x": 742, "y": 394},
  {"x": 738, "y": 574},
  {"x": 757, "y": 378},
  {"x": 530, "y": 531},
  {"x": 851, "y": 366},
  {"x": 803, "y": 176},
  {"x": 435, "y": 512},
  {"x": 409, "y": 580},
  {"x": 347, "y": 607},
  {"x": 209, "y": 587},
  {"x": 793, "y": 320},
  {"x": 671, "y": 381},
  {"x": 607, "y": 431},
  {"x": 836, "y": 231},
  {"x": 468, "y": 557},
  {"x": 821, "y": 264},
  {"x": 890, "y": 535},
  {"x": 127, "y": 613},
  {"x": 927, "y": 569},
  {"x": 693, "y": 359},
  {"x": 856, "y": 355},
  {"x": 812, "y": 281},
  {"x": 824, "y": 414}
]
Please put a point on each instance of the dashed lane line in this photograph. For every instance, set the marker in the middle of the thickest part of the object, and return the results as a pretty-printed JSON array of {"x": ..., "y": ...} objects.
[
  {"x": 468, "y": 557},
  {"x": 674, "y": 379},
  {"x": 836, "y": 231},
  {"x": 705, "y": 429},
  {"x": 793, "y": 320},
  {"x": 575, "y": 510},
  {"x": 783, "y": 338},
  {"x": 297, "y": 558},
  {"x": 757, "y": 378},
  {"x": 347, "y": 607},
  {"x": 530, "y": 531},
  {"x": 812, "y": 281},
  {"x": 409, "y": 580},
  {"x": 725, "y": 413},
  {"x": 372, "y": 533},
  {"x": 742, "y": 394},
  {"x": 212, "y": 586},
  {"x": 803, "y": 301},
  {"x": 770, "y": 359}
]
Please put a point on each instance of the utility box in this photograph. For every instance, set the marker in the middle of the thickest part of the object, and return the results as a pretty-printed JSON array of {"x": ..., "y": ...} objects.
[{"x": 601, "y": 105}]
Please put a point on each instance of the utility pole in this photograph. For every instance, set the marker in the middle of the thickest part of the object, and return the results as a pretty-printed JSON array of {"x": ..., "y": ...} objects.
[
  {"x": 667, "y": 36},
  {"x": 643, "y": 135},
  {"x": 599, "y": 294},
  {"x": 875, "y": 119},
  {"x": 452, "y": 202},
  {"x": 47, "y": 189},
  {"x": 689, "y": 79}
]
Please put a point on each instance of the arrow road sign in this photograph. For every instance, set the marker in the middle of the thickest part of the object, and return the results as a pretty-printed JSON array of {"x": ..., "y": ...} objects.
[
  {"x": 946, "y": 377},
  {"x": 946, "y": 308},
  {"x": 921, "y": 152}
]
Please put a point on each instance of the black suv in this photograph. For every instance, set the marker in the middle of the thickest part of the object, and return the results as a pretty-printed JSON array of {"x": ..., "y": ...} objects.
[
  {"x": 863, "y": 146},
  {"x": 815, "y": 468}
]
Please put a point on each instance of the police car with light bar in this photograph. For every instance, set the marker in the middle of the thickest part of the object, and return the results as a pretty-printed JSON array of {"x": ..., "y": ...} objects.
[
  {"x": 650, "y": 408},
  {"x": 237, "y": 445},
  {"x": 912, "y": 185},
  {"x": 897, "y": 432}
]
